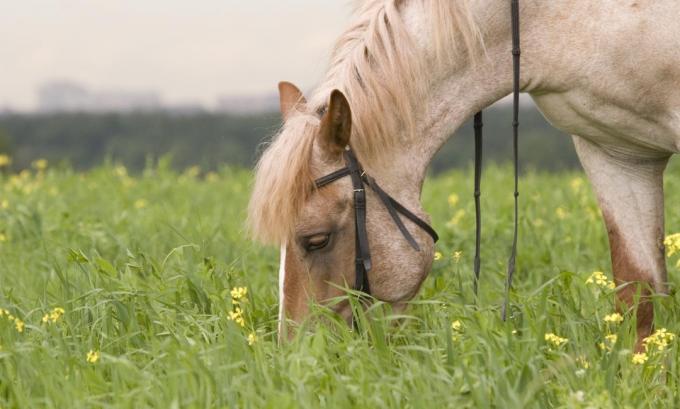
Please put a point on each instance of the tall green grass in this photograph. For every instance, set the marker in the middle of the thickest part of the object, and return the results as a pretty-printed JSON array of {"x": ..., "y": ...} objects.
[{"x": 143, "y": 267}]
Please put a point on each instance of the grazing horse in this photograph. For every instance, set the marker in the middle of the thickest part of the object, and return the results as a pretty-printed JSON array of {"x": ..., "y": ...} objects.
[{"x": 408, "y": 73}]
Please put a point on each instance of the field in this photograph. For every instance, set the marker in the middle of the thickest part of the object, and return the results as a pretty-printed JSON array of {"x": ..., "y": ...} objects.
[{"x": 115, "y": 291}]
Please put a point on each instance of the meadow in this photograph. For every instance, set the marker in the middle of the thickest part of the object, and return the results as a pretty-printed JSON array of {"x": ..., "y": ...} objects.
[{"x": 121, "y": 291}]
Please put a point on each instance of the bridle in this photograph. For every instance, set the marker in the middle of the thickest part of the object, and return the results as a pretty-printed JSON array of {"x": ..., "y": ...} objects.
[{"x": 359, "y": 179}]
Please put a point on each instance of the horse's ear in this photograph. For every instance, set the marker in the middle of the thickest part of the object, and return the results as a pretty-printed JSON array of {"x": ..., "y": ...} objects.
[
  {"x": 289, "y": 97},
  {"x": 336, "y": 125}
]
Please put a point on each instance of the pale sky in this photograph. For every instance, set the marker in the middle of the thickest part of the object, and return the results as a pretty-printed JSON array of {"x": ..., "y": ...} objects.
[{"x": 189, "y": 51}]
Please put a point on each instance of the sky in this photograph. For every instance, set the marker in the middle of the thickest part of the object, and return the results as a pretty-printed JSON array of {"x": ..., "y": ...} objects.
[{"x": 188, "y": 51}]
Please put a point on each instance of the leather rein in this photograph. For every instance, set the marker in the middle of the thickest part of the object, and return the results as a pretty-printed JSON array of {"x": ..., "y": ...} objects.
[{"x": 360, "y": 179}]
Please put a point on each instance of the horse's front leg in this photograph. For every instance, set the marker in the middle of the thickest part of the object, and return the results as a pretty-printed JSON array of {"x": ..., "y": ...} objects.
[{"x": 630, "y": 193}]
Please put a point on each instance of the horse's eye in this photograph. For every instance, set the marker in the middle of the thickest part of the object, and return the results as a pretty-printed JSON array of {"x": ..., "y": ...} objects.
[{"x": 316, "y": 241}]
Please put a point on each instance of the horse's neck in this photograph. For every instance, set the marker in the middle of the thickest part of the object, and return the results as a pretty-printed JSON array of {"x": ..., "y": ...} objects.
[{"x": 457, "y": 91}]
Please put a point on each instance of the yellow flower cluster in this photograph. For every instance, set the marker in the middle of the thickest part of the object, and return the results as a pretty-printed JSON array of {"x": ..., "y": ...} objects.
[
  {"x": 583, "y": 362},
  {"x": 5, "y": 160},
  {"x": 560, "y": 213},
  {"x": 614, "y": 318},
  {"x": 457, "y": 255},
  {"x": 237, "y": 316},
  {"x": 576, "y": 184},
  {"x": 18, "y": 323},
  {"x": 238, "y": 296},
  {"x": 609, "y": 342},
  {"x": 640, "y": 358},
  {"x": 453, "y": 199},
  {"x": 598, "y": 278},
  {"x": 672, "y": 244},
  {"x": 53, "y": 316},
  {"x": 660, "y": 339},
  {"x": 555, "y": 340},
  {"x": 457, "y": 328},
  {"x": 93, "y": 356},
  {"x": 39, "y": 164},
  {"x": 437, "y": 256},
  {"x": 252, "y": 338},
  {"x": 212, "y": 177}
]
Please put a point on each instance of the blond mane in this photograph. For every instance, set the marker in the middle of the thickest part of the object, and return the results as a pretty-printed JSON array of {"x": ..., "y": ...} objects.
[{"x": 385, "y": 77}]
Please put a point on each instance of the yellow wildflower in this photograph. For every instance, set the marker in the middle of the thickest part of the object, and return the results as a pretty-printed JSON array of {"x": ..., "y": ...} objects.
[
  {"x": 672, "y": 244},
  {"x": 576, "y": 184},
  {"x": 252, "y": 338},
  {"x": 237, "y": 316},
  {"x": 598, "y": 278},
  {"x": 555, "y": 339},
  {"x": 120, "y": 171},
  {"x": 437, "y": 256},
  {"x": 212, "y": 177},
  {"x": 238, "y": 293},
  {"x": 19, "y": 325},
  {"x": 39, "y": 164},
  {"x": 609, "y": 342},
  {"x": 93, "y": 356},
  {"x": 582, "y": 361},
  {"x": 140, "y": 203},
  {"x": 639, "y": 359},
  {"x": 3, "y": 237},
  {"x": 660, "y": 339},
  {"x": 457, "y": 255},
  {"x": 614, "y": 318},
  {"x": 193, "y": 171},
  {"x": 457, "y": 326},
  {"x": 53, "y": 316},
  {"x": 5, "y": 160},
  {"x": 561, "y": 213},
  {"x": 4, "y": 204},
  {"x": 453, "y": 199}
]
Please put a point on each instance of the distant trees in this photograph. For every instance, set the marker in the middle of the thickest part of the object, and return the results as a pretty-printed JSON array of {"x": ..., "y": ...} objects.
[{"x": 212, "y": 139}]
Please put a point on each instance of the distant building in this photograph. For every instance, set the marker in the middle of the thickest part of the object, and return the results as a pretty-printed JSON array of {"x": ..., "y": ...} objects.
[{"x": 66, "y": 96}]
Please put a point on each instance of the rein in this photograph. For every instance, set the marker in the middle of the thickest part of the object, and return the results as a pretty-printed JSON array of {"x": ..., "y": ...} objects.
[{"x": 478, "y": 124}]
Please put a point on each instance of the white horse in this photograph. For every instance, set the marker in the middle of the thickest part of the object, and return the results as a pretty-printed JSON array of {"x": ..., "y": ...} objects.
[{"x": 412, "y": 71}]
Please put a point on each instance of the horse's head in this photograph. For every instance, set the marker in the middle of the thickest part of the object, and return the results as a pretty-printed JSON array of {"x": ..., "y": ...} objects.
[{"x": 316, "y": 226}]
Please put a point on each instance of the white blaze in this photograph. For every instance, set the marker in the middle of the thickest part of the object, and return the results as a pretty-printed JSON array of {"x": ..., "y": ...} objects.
[{"x": 282, "y": 278}]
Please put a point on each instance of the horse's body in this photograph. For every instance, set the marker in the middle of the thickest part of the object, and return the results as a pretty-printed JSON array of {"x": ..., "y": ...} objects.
[{"x": 607, "y": 72}]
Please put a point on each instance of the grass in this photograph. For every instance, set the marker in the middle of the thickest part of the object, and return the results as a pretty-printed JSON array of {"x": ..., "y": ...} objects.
[{"x": 143, "y": 267}]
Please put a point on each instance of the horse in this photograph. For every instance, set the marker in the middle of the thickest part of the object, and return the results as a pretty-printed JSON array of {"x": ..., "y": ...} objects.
[{"x": 407, "y": 74}]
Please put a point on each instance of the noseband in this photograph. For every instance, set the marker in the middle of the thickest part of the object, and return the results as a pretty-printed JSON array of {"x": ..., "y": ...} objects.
[{"x": 360, "y": 179}]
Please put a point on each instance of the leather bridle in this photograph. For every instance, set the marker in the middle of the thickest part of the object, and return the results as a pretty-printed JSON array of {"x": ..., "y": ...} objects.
[{"x": 359, "y": 180}]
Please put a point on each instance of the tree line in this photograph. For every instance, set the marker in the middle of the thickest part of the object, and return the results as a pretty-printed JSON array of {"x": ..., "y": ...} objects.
[{"x": 210, "y": 140}]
